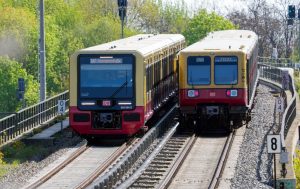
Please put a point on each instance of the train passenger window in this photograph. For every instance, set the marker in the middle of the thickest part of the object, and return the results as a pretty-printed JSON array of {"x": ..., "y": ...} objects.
[
  {"x": 226, "y": 70},
  {"x": 198, "y": 68}
]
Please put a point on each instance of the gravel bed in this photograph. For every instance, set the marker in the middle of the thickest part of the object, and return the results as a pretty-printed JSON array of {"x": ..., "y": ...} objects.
[
  {"x": 254, "y": 166},
  {"x": 17, "y": 178}
]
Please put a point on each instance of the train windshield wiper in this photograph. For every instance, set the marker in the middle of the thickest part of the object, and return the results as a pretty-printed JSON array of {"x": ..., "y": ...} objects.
[{"x": 120, "y": 88}]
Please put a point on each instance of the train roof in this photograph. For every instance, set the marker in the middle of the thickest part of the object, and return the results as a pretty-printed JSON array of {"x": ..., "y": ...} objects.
[
  {"x": 226, "y": 40},
  {"x": 142, "y": 43}
]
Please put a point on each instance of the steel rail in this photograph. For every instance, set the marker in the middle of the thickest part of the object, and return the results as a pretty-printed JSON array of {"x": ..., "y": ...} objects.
[
  {"x": 54, "y": 171},
  {"x": 147, "y": 162},
  {"x": 104, "y": 166},
  {"x": 222, "y": 161},
  {"x": 177, "y": 164}
]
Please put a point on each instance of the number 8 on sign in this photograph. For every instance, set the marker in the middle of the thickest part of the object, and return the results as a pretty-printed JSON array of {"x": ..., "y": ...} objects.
[{"x": 273, "y": 144}]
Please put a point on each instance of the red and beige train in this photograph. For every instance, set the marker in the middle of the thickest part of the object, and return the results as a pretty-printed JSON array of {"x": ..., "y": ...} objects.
[
  {"x": 116, "y": 87},
  {"x": 218, "y": 77}
]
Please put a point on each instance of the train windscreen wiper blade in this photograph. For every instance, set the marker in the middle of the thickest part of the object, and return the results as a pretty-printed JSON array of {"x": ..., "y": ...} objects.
[{"x": 119, "y": 89}]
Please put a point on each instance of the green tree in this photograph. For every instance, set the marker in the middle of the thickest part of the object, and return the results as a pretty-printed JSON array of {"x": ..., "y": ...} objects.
[
  {"x": 203, "y": 23},
  {"x": 10, "y": 71},
  {"x": 154, "y": 16},
  {"x": 18, "y": 37}
]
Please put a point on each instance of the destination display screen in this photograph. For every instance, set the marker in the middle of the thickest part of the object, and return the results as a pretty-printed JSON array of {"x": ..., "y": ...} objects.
[
  {"x": 226, "y": 59},
  {"x": 106, "y": 60}
]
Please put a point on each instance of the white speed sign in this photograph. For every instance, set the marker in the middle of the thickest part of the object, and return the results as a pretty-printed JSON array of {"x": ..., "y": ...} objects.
[{"x": 273, "y": 144}]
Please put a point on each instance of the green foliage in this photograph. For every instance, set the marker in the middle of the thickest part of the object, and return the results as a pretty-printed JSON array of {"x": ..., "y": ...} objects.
[
  {"x": 296, "y": 52},
  {"x": 203, "y": 23},
  {"x": 19, "y": 40},
  {"x": 297, "y": 168},
  {"x": 154, "y": 16},
  {"x": 10, "y": 71},
  {"x": 18, "y": 152},
  {"x": 1, "y": 158}
]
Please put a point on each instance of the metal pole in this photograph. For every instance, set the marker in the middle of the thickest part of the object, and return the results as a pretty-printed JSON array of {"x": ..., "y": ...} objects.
[
  {"x": 274, "y": 170},
  {"x": 61, "y": 123},
  {"x": 122, "y": 21},
  {"x": 42, "y": 54}
]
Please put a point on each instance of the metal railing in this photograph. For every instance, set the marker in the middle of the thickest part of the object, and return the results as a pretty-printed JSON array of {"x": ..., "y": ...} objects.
[
  {"x": 275, "y": 74},
  {"x": 278, "y": 62},
  {"x": 16, "y": 124}
]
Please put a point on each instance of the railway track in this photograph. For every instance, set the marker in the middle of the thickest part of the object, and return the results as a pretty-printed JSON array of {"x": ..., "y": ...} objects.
[
  {"x": 197, "y": 162},
  {"x": 160, "y": 161},
  {"x": 80, "y": 168},
  {"x": 204, "y": 165}
]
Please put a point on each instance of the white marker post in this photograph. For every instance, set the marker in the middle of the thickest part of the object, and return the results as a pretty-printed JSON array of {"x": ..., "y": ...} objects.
[
  {"x": 61, "y": 110},
  {"x": 279, "y": 108},
  {"x": 274, "y": 147}
]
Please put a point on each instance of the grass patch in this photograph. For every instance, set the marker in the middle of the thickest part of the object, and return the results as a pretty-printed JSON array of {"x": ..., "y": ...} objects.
[{"x": 16, "y": 153}]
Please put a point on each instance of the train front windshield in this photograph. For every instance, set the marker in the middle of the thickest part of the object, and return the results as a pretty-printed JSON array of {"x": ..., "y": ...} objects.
[
  {"x": 226, "y": 70},
  {"x": 106, "y": 77},
  {"x": 198, "y": 68}
]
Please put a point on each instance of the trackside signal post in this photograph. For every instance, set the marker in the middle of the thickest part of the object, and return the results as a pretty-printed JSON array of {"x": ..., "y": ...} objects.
[
  {"x": 21, "y": 91},
  {"x": 122, "y": 4}
]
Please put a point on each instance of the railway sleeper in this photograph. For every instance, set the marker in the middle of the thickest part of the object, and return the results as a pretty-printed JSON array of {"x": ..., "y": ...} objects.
[
  {"x": 150, "y": 177},
  {"x": 141, "y": 185},
  {"x": 146, "y": 181},
  {"x": 171, "y": 156},
  {"x": 177, "y": 140},
  {"x": 159, "y": 166},
  {"x": 171, "y": 149},
  {"x": 150, "y": 170},
  {"x": 169, "y": 153},
  {"x": 173, "y": 146},
  {"x": 163, "y": 158},
  {"x": 159, "y": 162},
  {"x": 152, "y": 174}
]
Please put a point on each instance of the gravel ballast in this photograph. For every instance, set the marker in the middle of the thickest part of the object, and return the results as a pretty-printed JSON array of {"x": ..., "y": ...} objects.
[{"x": 254, "y": 166}]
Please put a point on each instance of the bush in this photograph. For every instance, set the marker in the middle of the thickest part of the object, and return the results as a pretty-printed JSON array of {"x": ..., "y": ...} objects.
[{"x": 297, "y": 168}]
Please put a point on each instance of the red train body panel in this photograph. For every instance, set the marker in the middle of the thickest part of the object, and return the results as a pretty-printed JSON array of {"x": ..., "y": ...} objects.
[{"x": 214, "y": 96}]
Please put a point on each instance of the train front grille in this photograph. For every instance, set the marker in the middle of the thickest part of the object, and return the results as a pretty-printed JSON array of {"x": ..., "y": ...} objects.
[{"x": 107, "y": 120}]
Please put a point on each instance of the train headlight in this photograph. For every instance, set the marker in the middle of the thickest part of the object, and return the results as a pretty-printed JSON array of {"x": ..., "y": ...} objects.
[
  {"x": 88, "y": 103},
  {"x": 193, "y": 93},
  {"x": 232, "y": 92},
  {"x": 124, "y": 103}
]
